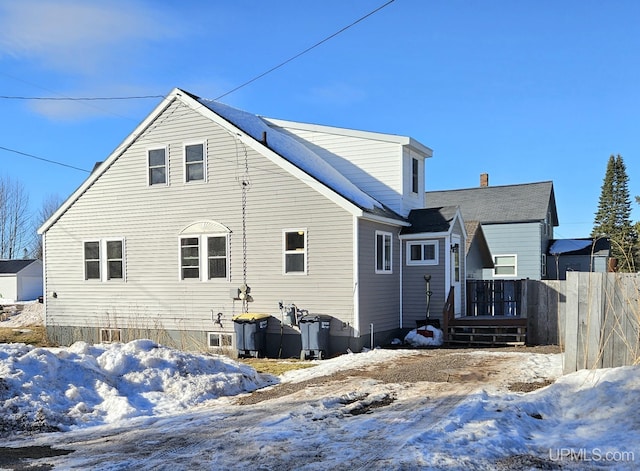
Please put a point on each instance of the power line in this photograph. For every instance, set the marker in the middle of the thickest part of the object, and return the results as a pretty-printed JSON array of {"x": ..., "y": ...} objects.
[
  {"x": 305, "y": 51},
  {"x": 5, "y": 97},
  {"x": 45, "y": 160}
]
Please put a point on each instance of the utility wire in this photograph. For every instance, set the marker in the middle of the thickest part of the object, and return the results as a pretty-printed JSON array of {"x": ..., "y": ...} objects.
[
  {"x": 44, "y": 160},
  {"x": 305, "y": 51},
  {"x": 4, "y": 97}
]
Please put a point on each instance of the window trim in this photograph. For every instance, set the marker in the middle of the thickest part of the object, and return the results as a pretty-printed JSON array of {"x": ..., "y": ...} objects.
[
  {"x": 204, "y": 161},
  {"x": 385, "y": 235},
  {"x": 166, "y": 165},
  {"x": 423, "y": 261},
  {"x": 286, "y": 252},
  {"x": 103, "y": 260},
  {"x": 203, "y": 257},
  {"x": 220, "y": 336},
  {"x": 515, "y": 266}
]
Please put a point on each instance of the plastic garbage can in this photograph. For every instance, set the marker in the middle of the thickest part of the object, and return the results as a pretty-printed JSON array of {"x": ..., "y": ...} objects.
[
  {"x": 314, "y": 330},
  {"x": 251, "y": 334}
]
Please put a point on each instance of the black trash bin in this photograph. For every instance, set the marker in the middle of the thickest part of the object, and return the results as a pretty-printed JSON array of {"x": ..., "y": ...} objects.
[
  {"x": 251, "y": 334},
  {"x": 314, "y": 330}
]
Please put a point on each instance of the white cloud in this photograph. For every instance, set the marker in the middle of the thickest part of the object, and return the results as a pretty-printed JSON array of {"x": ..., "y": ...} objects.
[{"x": 75, "y": 35}]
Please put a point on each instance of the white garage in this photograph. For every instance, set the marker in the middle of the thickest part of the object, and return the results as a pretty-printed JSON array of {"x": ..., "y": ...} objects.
[{"x": 20, "y": 280}]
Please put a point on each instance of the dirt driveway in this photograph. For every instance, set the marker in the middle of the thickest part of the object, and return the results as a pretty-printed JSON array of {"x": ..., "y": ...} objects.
[{"x": 417, "y": 391}]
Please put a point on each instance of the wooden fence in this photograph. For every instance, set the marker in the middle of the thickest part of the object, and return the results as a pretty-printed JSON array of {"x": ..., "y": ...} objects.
[{"x": 602, "y": 320}]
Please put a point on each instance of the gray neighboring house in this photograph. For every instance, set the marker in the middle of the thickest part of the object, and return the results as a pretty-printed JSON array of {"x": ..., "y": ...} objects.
[
  {"x": 21, "y": 280},
  {"x": 202, "y": 199},
  {"x": 517, "y": 221},
  {"x": 584, "y": 255}
]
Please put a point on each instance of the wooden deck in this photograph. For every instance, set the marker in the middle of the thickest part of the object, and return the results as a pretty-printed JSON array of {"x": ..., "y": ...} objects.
[{"x": 482, "y": 330}]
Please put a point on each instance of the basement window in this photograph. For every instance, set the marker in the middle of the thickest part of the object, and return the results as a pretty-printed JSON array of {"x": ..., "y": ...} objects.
[
  {"x": 110, "y": 335},
  {"x": 220, "y": 340}
]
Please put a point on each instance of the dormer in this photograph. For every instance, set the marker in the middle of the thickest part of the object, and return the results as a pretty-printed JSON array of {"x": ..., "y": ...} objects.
[{"x": 388, "y": 167}]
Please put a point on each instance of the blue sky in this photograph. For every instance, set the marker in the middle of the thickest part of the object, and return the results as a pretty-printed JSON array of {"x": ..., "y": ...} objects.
[{"x": 525, "y": 91}]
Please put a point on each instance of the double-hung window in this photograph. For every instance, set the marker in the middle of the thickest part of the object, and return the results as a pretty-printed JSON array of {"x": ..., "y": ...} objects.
[
  {"x": 415, "y": 176},
  {"x": 204, "y": 257},
  {"x": 422, "y": 252},
  {"x": 195, "y": 162},
  {"x": 383, "y": 252},
  {"x": 157, "y": 164},
  {"x": 104, "y": 260},
  {"x": 295, "y": 251}
]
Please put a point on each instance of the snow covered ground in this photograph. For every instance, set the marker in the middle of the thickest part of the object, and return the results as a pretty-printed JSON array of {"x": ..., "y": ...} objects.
[{"x": 141, "y": 405}]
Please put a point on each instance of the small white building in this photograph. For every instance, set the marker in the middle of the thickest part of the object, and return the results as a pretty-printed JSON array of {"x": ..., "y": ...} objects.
[{"x": 21, "y": 280}]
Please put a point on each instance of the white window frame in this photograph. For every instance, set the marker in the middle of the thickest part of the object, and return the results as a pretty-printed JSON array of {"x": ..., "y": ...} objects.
[
  {"x": 302, "y": 252},
  {"x": 422, "y": 244},
  {"x": 185, "y": 164},
  {"x": 383, "y": 270},
  {"x": 496, "y": 265},
  {"x": 220, "y": 343},
  {"x": 166, "y": 165},
  {"x": 103, "y": 260},
  {"x": 85, "y": 260},
  {"x": 203, "y": 257}
]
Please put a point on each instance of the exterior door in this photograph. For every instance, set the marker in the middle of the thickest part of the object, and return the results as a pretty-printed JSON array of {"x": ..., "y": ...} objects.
[{"x": 456, "y": 284}]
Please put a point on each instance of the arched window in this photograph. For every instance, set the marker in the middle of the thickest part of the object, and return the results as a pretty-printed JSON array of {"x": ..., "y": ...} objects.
[{"x": 204, "y": 251}]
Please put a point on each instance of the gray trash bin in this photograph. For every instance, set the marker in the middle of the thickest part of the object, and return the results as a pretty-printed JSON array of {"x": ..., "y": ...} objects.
[
  {"x": 251, "y": 334},
  {"x": 314, "y": 330}
]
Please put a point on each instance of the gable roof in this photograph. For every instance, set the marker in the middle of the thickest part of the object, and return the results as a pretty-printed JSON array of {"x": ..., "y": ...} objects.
[
  {"x": 526, "y": 202},
  {"x": 265, "y": 138},
  {"x": 431, "y": 220},
  {"x": 475, "y": 237},
  {"x": 11, "y": 267}
]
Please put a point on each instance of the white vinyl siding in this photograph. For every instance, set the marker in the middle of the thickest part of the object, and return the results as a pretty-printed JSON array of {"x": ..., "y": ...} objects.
[
  {"x": 158, "y": 173},
  {"x": 119, "y": 203},
  {"x": 422, "y": 252},
  {"x": 195, "y": 162}
]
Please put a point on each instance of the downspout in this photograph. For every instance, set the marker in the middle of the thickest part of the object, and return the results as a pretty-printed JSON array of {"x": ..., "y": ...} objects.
[
  {"x": 356, "y": 279},
  {"x": 401, "y": 281}
]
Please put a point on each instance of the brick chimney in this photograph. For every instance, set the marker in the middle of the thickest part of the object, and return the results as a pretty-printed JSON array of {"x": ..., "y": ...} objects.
[{"x": 484, "y": 180}]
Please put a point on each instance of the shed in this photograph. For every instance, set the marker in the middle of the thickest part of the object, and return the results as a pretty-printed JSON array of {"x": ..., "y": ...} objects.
[{"x": 21, "y": 280}]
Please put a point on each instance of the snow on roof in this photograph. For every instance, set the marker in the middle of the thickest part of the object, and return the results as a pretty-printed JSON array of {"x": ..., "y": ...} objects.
[{"x": 295, "y": 152}]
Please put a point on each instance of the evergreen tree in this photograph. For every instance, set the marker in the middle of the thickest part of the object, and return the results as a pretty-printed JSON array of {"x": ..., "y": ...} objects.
[{"x": 613, "y": 218}]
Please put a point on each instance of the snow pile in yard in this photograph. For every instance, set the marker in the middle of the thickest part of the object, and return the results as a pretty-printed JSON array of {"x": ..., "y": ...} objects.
[
  {"x": 428, "y": 336},
  {"x": 62, "y": 388},
  {"x": 31, "y": 314}
]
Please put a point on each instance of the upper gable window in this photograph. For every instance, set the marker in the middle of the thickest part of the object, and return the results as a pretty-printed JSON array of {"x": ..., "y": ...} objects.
[
  {"x": 383, "y": 252},
  {"x": 194, "y": 162},
  {"x": 415, "y": 175},
  {"x": 157, "y": 163}
]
